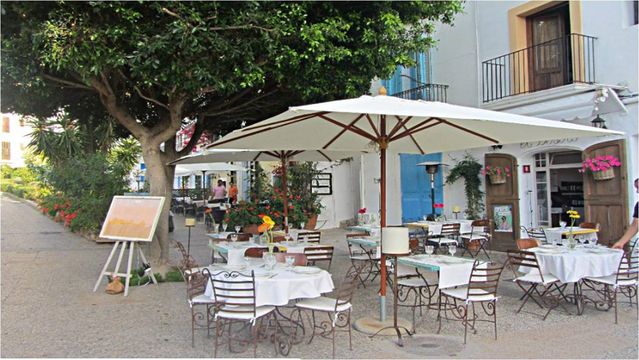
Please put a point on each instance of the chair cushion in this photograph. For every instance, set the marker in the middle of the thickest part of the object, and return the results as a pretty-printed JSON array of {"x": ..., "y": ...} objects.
[
  {"x": 474, "y": 237},
  {"x": 259, "y": 312},
  {"x": 461, "y": 293},
  {"x": 534, "y": 277},
  {"x": 443, "y": 240},
  {"x": 322, "y": 303},
  {"x": 612, "y": 280},
  {"x": 202, "y": 299},
  {"x": 415, "y": 281}
]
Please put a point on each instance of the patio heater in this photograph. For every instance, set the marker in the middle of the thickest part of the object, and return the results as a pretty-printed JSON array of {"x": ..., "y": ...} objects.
[{"x": 431, "y": 168}]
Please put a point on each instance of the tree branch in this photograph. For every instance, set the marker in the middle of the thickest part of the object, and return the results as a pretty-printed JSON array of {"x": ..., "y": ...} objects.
[
  {"x": 110, "y": 103},
  {"x": 156, "y": 102},
  {"x": 67, "y": 82},
  {"x": 243, "y": 105}
]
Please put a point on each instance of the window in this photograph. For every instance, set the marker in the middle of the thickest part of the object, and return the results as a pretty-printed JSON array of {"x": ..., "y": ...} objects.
[
  {"x": 6, "y": 124},
  {"x": 21, "y": 120},
  {"x": 6, "y": 150}
]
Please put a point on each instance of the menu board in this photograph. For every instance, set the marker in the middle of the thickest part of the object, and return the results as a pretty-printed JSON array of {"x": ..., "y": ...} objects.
[{"x": 132, "y": 218}]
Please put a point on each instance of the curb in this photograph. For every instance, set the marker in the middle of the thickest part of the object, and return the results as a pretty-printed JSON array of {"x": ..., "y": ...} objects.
[{"x": 17, "y": 198}]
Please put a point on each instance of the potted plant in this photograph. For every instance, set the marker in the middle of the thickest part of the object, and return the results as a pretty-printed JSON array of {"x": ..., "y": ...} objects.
[
  {"x": 497, "y": 174},
  {"x": 601, "y": 166},
  {"x": 245, "y": 214},
  {"x": 468, "y": 169}
]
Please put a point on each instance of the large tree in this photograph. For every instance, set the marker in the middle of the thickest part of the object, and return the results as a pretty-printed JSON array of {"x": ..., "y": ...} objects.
[{"x": 152, "y": 65}]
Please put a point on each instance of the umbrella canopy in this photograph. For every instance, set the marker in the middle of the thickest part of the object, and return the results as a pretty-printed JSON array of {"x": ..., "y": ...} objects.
[
  {"x": 406, "y": 126},
  {"x": 284, "y": 156}
]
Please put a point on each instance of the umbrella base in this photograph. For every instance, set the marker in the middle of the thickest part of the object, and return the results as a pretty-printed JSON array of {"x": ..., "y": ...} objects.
[{"x": 372, "y": 326}]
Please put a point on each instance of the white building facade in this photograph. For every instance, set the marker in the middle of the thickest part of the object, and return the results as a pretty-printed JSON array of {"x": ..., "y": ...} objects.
[{"x": 15, "y": 140}]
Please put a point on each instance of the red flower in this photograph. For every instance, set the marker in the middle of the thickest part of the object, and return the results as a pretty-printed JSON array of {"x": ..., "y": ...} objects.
[{"x": 362, "y": 211}]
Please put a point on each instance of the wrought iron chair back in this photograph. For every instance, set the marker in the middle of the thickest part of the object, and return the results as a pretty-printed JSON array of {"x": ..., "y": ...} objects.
[
  {"x": 484, "y": 280},
  {"x": 319, "y": 253},
  {"x": 344, "y": 293},
  {"x": 518, "y": 259},
  {"x": 187, "y": 262},
  {"x": 235, "y": 290},
  {"x": 628, "y": 267},
  {"x": 311, "y": 236}
]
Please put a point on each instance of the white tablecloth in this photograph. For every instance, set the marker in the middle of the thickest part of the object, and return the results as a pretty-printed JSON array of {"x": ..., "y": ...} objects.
[
  {"x": 435, "y": 227},
  {"x": 286, "y": 285},
  {"x": 555, "y": 234},
  {"x": 573, "y": 265},
  {"x": 453, "y": 271}
]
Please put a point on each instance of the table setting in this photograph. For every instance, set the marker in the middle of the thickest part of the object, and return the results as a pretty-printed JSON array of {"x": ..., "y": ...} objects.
[{"x": 453, "y": 271}]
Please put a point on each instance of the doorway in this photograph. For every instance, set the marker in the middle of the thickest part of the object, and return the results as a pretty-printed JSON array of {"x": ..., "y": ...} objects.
[{"x": 559, "y": 186}]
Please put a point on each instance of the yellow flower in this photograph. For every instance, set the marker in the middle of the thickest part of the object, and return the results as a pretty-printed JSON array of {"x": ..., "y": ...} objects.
[{"x": 268, "y": 221}]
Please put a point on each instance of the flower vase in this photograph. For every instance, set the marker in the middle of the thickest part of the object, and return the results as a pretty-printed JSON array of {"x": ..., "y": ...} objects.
[
  {"x": 271, "y": 246},
  {"x": 572, "y": 242}
]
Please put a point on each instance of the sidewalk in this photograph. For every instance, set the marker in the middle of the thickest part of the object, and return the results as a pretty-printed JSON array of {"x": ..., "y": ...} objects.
[{"x": 49, "y": 310}]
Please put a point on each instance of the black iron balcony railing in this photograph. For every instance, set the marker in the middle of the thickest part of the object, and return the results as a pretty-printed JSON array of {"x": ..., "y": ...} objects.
[
  {"x": 428, "y": 92},
  {"x": 562, "y": 61}
]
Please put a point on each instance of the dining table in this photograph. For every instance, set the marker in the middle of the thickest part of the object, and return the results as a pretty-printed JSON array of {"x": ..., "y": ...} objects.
[
  {"x": 435, "y": 227},
  {"x": 573, "y": 265},
  {"x": 453, "y": 271},
  {"x": 558, "y": 235},
  {"x": 234, "y": 252}
]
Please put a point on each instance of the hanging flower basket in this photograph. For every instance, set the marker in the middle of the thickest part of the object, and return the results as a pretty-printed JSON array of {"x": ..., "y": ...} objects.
[
  {"x": 607, "y": 174},
  {"x": 497, "y": 179}
]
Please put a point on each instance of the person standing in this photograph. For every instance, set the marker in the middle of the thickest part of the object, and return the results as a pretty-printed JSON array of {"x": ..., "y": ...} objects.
[
  {"x": 233, "y": 193},
  {"x": 634, "y": 225},
  {"x": 219, "y": 192}
]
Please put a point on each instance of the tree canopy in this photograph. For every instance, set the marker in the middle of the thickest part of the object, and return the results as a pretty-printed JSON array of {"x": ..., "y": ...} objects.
[{"x": 152, "y": 65}]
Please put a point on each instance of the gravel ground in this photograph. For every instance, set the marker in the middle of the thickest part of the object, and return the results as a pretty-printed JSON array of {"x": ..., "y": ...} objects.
[{"x": 49, "y": 310}]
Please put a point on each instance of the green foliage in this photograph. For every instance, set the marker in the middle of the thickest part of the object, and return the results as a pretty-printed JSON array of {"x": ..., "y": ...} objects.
[
  {"x": 22, "y": 182},
  {"x": 469, "y": 169}
]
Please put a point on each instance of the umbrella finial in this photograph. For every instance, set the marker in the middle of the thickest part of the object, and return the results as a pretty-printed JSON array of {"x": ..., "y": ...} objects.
[{"x": 382, "y": 91}]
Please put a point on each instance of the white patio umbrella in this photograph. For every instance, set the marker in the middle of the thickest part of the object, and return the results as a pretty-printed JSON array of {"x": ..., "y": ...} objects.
[
  {"x": 404, "y": 126},
  {"x": 211, "y": 156}
]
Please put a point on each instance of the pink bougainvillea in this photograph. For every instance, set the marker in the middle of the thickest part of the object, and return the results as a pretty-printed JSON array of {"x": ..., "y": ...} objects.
[{"x": 600, "y": 163}]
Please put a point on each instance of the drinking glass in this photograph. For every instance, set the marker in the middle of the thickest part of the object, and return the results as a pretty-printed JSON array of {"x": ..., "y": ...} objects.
[
  {"x": 429, "y": 249},
  {"x": 302, "y": 225},
  {"x": 247, "y": 261},
  {"x": 238, "y": 228},
  {"x": 563, "y": 224},
  {"x": 234, "y": 239},
  {"x": 288, "y": 238},
  {"x": 269, "y": 260},
  {"x": 452, "y": 249},
  {"x": 581, "y": 240},
  {"x": 224, "y": 226},
  {"x": 425, "y": 217},
  {"x": 290, "y": 260}
]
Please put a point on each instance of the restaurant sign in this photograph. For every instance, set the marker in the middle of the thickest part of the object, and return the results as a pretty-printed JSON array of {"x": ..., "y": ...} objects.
[{"x": 545, "y": 143}]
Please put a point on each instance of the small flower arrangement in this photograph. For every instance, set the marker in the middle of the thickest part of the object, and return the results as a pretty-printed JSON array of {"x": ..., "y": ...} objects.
[
  {"x": 438, "y": 206},
  {"x": 361, "y": 211},
  {"x": 265, "y": 228},
  {"x": 496, "y": 170},
  {"x": 600, "y": 163},
  {"x": 574, "y": 215}
]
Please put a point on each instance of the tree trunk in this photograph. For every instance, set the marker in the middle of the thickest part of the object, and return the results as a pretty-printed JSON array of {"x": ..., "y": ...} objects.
[{"x": 161, "y": 181}]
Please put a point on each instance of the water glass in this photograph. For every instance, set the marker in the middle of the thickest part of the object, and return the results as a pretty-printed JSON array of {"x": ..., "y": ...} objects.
[
  {"x": 563, "y": 224},
  {"x": 452, "y": 249},
  {"x": 269, "y": 260},
  {"x": 290, "y": 260},
  {"x": 238, "y": 228},
  {"x": 224, "y": 226},
  {"x": 234, "y": 239},
  {"x": 302, "y": 225},
  {"x": 288, "y": 238},
  {"x": 429, "y": 249}
]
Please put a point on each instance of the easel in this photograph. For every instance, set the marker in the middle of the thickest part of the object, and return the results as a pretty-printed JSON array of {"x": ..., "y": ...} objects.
[{"x": 122, "y": 244}]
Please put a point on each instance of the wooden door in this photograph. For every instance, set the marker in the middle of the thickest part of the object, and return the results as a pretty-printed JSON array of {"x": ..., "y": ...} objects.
[
  {"x": 606, "y": 201},
  {"x": 502, "y": 203},
  {"x": 550, "y": 48}
]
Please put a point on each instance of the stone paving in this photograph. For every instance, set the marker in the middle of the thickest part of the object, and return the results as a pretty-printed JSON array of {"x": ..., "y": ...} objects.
[{"x": 49, "y": 310}]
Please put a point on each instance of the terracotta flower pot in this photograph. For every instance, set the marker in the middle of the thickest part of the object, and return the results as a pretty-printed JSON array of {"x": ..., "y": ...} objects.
[
  {"x": 311, "y": 222},
  {"x": 250, "y": 229}
]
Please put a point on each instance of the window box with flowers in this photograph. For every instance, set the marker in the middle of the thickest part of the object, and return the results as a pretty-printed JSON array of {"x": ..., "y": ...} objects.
[
  {"x": 601, "y": 167},
  {"x": 497, "y": 174}
]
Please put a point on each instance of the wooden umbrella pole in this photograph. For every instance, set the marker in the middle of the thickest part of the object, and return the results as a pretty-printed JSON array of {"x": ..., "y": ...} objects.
[
  {"x": 284, "y": 191},
  {"x": 383, "y": 144}
]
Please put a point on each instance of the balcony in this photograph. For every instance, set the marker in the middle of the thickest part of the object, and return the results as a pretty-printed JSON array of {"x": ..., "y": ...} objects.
[
  {"x": 562, "y": 61},
  {"x": 428, "y": 92}
]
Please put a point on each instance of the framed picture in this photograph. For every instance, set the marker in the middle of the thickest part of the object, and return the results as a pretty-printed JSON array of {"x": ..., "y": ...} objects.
[
  {"x": 322, "y": 184},
  {"x": 503, "y": 218},
  {"x": 132, "y": 218}
]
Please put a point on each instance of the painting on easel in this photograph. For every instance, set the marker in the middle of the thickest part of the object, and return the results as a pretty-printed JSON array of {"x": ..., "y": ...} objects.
[{"x": 132, "y": 218}]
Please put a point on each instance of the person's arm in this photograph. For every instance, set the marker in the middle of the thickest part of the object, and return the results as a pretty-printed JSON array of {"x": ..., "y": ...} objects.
[{"x": 630, "y": 232}]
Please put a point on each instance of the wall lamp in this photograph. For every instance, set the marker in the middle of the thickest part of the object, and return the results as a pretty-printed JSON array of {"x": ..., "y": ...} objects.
[{"x": 598, "y": 122}]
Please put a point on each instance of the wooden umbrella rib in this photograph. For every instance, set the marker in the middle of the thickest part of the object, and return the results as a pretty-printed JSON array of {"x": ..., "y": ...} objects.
[
  {"x": 409, "y": 132},
  {"x": 401, "y": 123},
  {"x": 324, "y": 155},
  {"x": 297, "y": 117},
  {"x": 469, "y": 131},
  {"x": 421, "y": 151},
  {"x": 342, "y": 132},
  {"x": 257, "y": 156},
  {"x": 352, "y": 128},
  {"x": 370, "y": 121},
  {"x": 291, "y": 121}
]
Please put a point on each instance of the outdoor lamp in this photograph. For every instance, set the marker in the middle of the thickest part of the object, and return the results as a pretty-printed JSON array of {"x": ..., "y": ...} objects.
[
  {"x": 431, "y": 168},
  {"x": 598, "y": 122},
  {"x": 189, "y": 222},
  {"x": 456, "y": 210}
]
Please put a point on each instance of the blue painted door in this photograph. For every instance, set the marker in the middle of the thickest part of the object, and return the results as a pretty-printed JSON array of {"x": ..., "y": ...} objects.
[{"x": 415, "y": 185}]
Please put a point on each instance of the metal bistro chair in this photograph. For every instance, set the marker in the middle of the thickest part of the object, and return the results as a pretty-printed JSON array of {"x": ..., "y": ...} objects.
[
  {"x": 624, "y": 281},
  {"x": 481, "y": 288},
  {"x": 448, "y": 235},
  {"x": 195, "y": 286},
  {"x": 538, "y": 234},
  {"x": 416, "y": 284},
  {"x": 363, "y": 257},
  {"x": 523, "y": 244},
  {"x": 319, "y": 253},
  {"x": 311, "y": 236},
  {"x": 338, "y": 309},
  {"x": 235, "y": 293},
  {"x": 478, "y": 237},
  {"x": 526, "y": 262}
]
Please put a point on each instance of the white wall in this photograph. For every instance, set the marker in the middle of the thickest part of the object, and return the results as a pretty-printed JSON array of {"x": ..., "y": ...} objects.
[
  {"x": 343, "y": 204},
  {"x": 18, "y": 137}
]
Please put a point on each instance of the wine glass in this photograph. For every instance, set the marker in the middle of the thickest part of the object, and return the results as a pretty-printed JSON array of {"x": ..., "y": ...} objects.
[
  {"x": 288, "y": 238},
  {"x": 563, "y": 224},
  {"x": 290, "y": 260},
  {"x": 238, "y": 228},
  {"x": 224, "y": 226},
  {"x": 302, "y": 225},
  {"x": 452, "y": 249},
  {"x": 234, "y": 239},
  {"x": 429, "y": 249},
  {"x": 581, "y": 240}
]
